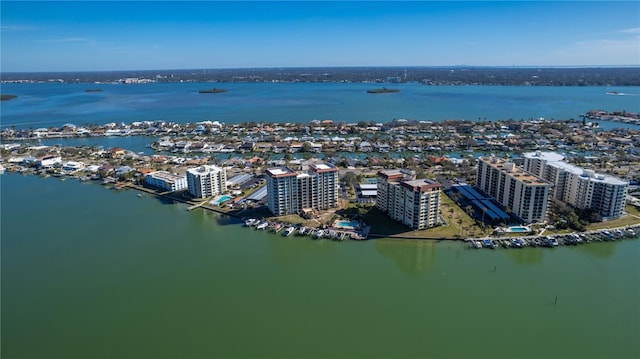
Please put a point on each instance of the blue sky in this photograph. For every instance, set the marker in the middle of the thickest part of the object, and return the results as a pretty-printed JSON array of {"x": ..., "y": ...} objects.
[{"x": 118, "y": 35}]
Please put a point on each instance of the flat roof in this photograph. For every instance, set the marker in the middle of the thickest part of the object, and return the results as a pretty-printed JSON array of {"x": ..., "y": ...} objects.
[
  {"x": 366, "y": 186},
  {"x": 369, "y": 193},
  {"x": 421, "y": 185},
  {"x": 281, "y": 172},
  {"x": 166, "y": 176},
  {"x": 547, "y": 156},
  {"x": 204, "y": 169},
  {"x": 323, "y": 167},
  {"x": 513, "y": 171},
  {"x": 579, "y": 171}
]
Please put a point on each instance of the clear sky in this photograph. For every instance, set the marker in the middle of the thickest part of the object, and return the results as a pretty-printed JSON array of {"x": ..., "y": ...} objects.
[{"x": 117, "y": 35}]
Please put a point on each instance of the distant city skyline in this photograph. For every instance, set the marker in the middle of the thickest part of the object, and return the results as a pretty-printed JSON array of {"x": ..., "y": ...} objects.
[{"x": 156, "y": 35}]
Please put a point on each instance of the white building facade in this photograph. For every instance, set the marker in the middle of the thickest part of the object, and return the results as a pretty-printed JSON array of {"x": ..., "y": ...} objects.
[
  {"x": 166, "y": 181},
  {"x": 292, "y": 192},
  {"x": 581, "y": 188},
  {"x": 523, "y": 193},
  {"x": 206, "y": 181},
  {"x": 414, "y": 203}
]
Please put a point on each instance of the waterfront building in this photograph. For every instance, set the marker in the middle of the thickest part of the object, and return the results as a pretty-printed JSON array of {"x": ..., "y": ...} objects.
[
  {"x": 166, "y": 181},
  {"x": 49, "y": 161},
  {"x": 412, "y": 202},
  {"x": 293, "y": 192},
  {"x": 206, "y": 181},
  {"x": 581, "y": 188},
  {"x": 525, "y": 194}
]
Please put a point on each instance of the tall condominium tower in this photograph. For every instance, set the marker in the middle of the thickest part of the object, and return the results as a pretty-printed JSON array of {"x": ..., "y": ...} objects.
[
  {"x": 206, "y": 181},
  {"x": 292, "y": 192},
  {"x": 579, "y": 187},
  {"x": 523, "y": 193},
  {"x": 414, "y": 203}
]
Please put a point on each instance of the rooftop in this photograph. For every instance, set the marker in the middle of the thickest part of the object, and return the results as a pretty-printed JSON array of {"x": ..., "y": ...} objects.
[
  {"x": 514, "y": 171},
  {"x": 546, "y": 156},
  {"x": 281, "y": 172}
]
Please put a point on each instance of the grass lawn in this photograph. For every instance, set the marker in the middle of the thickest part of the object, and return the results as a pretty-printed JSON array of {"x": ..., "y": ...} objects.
[
  {"x": 459, "y": 224},
  {"x": 631, "y": 218}
]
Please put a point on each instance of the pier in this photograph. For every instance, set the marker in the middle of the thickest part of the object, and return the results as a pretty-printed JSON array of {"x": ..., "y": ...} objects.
[{"x": 556, "y": 240}]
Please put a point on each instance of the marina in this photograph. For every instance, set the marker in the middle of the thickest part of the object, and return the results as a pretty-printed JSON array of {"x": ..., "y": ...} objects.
[{"x": 569, "y": 239}]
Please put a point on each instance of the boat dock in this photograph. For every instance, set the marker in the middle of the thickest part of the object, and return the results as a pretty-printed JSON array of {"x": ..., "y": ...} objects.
[
  {"x": 556, "y": 240},
  {"x": 303, "y": 231}
]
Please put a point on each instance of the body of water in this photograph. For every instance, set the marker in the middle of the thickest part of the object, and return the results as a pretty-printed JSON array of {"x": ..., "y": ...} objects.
[
  {"x": 54, "y": 104},
  {"x": 88, "y": 272},
  {"x": 94, "y": 273}
]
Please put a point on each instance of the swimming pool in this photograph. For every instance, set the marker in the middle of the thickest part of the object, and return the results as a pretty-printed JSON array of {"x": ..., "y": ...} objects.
[
  {"x": 222, "y": 199},
  {"x": 345, "y": 224},
  {"x": 518, "y": 229}
]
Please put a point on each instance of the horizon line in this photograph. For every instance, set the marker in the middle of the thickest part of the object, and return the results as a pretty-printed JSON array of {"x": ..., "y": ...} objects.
[{"x": 337, "y": 67}]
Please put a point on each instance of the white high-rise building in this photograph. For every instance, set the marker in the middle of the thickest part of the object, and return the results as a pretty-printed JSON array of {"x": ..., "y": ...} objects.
[
  {"x": 292, "y": 192},
  {"x": 581, "y": 188},
  {"x": 414, "y": 203},
  {"x": 520, "y": 191},
  {"x": 206, "y": 181}
]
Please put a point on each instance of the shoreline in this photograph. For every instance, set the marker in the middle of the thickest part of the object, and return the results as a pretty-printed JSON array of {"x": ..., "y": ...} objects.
[{"x": 204, "y": 205}]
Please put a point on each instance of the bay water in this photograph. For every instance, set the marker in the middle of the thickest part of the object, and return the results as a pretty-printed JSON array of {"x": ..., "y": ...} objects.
[
  {"x": 89, "y": 272},
  {"x": 55, "y": 104}
]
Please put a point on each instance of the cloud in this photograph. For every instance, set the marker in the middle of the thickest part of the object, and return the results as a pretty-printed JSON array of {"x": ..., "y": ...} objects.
[
  {"x": 635, "y": 30},
  {"x": 598, "y": 52},
  {"x": 16, "y": 28},
  {"x": 77, "y": 40}
]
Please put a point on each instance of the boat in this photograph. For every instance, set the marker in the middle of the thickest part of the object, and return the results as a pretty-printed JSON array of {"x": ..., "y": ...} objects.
[
  {"x": 517, "y": 243},
  {"x": 262, "y": 225},
  {"x": 277, "y": 227},
  {"x": 320, "y": 233},
  {"x": 287, "y": 232},
  {"x": 213, "y": 90},
  {"x": 383, "y": 90},
  {"x": 302, "y": 231},
  {"x": 488, "y": 244},
  {"x": 251, "y": 222},
  {"x": 476, "y": 244},
  {"x": 139, "y": 195}
]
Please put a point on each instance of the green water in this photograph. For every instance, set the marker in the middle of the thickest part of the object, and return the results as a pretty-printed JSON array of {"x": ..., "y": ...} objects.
[{"x": 94, "y": 273}]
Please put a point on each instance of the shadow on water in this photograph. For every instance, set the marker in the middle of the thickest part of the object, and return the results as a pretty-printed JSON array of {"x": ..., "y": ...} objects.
[
  {"x": 412, "y": 257},
  {"x": 600, "y": 250},
  {"x": 296, "y": 250},
  {"x": 526, "y": 255}
]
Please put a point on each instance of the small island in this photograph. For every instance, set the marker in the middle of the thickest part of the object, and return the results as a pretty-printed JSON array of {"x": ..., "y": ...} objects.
[
  {"x": 383, "y": 90},
  {"x": 92, "y": 90},
  {"x": 213, "y": 90},
  {"x": 4, "y": 97}
]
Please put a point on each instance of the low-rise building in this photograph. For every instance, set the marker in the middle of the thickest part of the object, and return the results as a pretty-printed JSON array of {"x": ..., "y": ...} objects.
[{"x": 166, "y": 181}]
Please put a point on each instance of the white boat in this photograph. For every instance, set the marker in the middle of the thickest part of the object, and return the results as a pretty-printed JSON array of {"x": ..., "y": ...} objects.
[
  {"x": 251, "y": 222},
  {"x": 302, "y": 231},
  {"x": 288, "y": 231},
  {"x": 320, "y": 233},
  {"x": 262, "y": 225}
]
